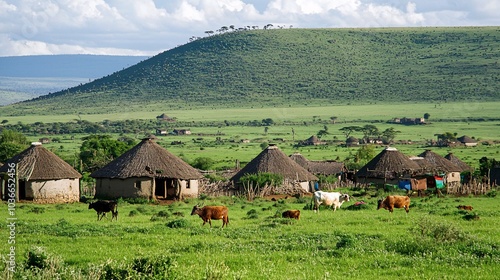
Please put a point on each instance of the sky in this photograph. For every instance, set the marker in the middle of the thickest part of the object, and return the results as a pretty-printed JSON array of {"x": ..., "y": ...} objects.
[{"x": 148, "y": 27}]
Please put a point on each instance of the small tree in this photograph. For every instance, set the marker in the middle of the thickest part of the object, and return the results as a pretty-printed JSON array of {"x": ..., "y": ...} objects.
[
  {"x": 11, "y": 143},
  {"x": 427, "y": 116}
]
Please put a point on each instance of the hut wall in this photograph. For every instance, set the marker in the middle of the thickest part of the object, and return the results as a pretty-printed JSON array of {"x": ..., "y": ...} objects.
[
  {"x": 126, "y": 188},
  {"x": 305, "y": 186},
  {"x": 453, "y": 177},
  {"x": 189, "y": 188},
  {"x": 53, "y": 191}
]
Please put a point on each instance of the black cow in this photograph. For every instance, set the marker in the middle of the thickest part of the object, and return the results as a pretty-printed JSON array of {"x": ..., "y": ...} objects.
[{"x": 104, "y": 206}]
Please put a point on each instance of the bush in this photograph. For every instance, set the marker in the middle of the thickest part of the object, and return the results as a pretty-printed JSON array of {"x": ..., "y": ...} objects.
[
  {"x": 438, "y": 231},
  {"x": 252, "y": 214},
  {"x": 179, "y": 223}
]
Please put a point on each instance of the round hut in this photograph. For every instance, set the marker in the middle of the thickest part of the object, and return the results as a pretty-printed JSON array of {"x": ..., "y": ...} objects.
[
  {"x": 147, "y": 171},
  {"x": 273, "y": 160},
  {"x": 388, "y": 167},
  {"x": 42, "y": 176},
  {"x": 462, "y": 165}
]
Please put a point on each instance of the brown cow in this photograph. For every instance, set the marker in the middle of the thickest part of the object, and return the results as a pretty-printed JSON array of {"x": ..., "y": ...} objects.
[
  {"x": 292, "y": 214},
  {"x": 465, "y": 207},
  {"x": 104, "y": 206},
  {"x": 207, "y": 213},
  {"x": 395, "y": 201}
]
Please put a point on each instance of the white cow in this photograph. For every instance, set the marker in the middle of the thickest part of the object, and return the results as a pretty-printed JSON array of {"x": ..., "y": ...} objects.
[{"x": 334, "y": 199}]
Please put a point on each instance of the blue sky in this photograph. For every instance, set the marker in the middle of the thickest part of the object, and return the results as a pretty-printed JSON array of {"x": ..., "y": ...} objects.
[{"x": 148, "y": 27}]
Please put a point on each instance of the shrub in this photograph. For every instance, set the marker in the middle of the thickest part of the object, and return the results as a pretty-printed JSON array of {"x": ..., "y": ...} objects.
[
  {"x": 133, "y": 213},
  {"x": 179, "y": 223},
  {"x": 156, "y": 267},
  {"x": 252, "y": 214},
  {"x": 438, "y": 231},
  {"x": 37, "y": 210}
]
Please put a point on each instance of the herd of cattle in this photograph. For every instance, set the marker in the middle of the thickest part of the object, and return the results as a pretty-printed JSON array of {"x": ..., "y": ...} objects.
[{"x": 330, "y": 199}]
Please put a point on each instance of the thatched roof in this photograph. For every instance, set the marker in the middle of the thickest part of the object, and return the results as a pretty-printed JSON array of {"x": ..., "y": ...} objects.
[
  {"x": 273, "y": 160},
  {"x": 422, "y": 162},
  {"x": 300, "y": 159},
  {"x": 439, "y": 163},
  {"x": 148, "y": 159},
  {"x": 388, "y": 164},
  {"x": 313, "y": 140},
  {"x": 38, "y": 163},
  {"x": 328, "y": 167},
  {"x": 455, "y": 160},
  {"x": 466, "y": 139}
]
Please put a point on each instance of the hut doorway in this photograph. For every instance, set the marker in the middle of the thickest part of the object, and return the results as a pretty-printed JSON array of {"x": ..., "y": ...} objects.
[
  {"x": 22, "y": 189},
  {"x": 167, "y": 188}
]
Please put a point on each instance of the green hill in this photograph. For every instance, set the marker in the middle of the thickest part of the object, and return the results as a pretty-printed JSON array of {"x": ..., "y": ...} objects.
[{"x": 297, "y": 67}]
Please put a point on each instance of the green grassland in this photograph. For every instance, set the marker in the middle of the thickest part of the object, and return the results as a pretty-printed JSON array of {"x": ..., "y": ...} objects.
[
  {"x": 435, "y": 240},
  {"x": 478, "y": 120}
]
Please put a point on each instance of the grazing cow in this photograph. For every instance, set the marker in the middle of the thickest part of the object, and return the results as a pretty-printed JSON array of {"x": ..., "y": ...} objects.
[
  {"x": 207, "y": 213},
  {"x": 464, "y": 207},
  {"x": 104, "y": 206},
  {"x": 292, "y": 214},
  {"x": 334, "y": 199},
  {"x": 394, "y": 201}
]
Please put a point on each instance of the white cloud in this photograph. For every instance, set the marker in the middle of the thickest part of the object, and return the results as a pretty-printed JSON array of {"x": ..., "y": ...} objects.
[{"x": 149, "y": 26}]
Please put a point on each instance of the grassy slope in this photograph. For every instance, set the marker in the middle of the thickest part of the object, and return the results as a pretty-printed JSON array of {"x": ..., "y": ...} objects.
[{"x": 297, "y": 67}]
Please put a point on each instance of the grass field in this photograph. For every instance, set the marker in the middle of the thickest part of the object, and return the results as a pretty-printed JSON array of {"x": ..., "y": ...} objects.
[
  {"x": 434, "y": 241},
  {"x": 305, "y": 121}
]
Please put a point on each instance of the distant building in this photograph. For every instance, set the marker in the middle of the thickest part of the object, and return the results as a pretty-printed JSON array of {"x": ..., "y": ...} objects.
[
  {"x": 182, "y": 132},
  {"x": 164, "y": 117}
]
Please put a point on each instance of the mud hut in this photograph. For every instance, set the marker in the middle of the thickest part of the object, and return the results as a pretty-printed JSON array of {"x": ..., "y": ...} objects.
[
  {"x": 467, "y": 141},
  {"x": 42, "y": 176},
  {"x": 441, "y": 166},
  {"x": 273, "y": 160},
  {"x": 147, "y": 171},
  {"x": 388, "y": 167},
  {"x": 464, "y": 167},
  {"x": 319, "y": 167}
]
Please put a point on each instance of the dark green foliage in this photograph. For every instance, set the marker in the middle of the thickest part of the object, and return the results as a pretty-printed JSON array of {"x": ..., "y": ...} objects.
[
  {"x": 203, "y": 163},
  {"x": 11, "y": 143},
  {"x": 37, "y": 210},
  {"x": 298, "y": 67},
  {"x": 261, "y": 179},
  {"x": 98, "y": 150},
  {"x": 160, "y": 216},
  {"x": 252, "y": 214},
  {"x": 178, "y": 223}
]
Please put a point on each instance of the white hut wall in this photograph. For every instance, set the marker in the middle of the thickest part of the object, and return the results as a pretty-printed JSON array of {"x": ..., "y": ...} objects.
[
  {"x": 53, "y": 191},
  {"x": 453, "y": 177},
  {"x": 189, "y": 188},
  {"x": 305, "y": 186},
  {"x": 127, "y": 188}
]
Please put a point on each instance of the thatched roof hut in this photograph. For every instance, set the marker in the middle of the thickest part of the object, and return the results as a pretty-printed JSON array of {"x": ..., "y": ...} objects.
[
  {"x": 273, "y": 160},
  {"x": 455, "y": 160},
  {"x": 390, "y": 164},
  {"x": 43, "y": 176},
  {"x": 300, "y": 159},
  {"x": 323, "y": 167},
  {"x": 439, "y": 163},
  {"x": 147, "y": 170},
  {"x": 467, "y": 141}
]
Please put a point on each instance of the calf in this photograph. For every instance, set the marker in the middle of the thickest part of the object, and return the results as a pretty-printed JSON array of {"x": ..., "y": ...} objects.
[
  {"x": 104, "y": 206},
  {"x": 395, "y": 201},
  {"x": 334, "y": 199},
  {"x": 207, "y": 213},
  {"x": 464, "y": 207},
  {"x": 292, "y": 214}
]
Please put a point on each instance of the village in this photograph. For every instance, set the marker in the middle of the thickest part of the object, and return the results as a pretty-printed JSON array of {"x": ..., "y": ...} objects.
[{"x": 151, "y": 172}]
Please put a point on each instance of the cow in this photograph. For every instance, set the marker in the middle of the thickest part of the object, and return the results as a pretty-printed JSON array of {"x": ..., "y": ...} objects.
[
  {"x": 104, "y": 206},
  {"x": 292, "y": 214},
  {"x": 465, "y": 207},
  {"x": 394, "y": 201},
  {"x": 334, "y": 199},
  {"x": 207, "y": 213}
]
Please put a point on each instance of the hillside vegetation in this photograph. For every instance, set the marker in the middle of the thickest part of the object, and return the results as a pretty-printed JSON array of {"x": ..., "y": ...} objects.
[{"x": 296, "y": 67}]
